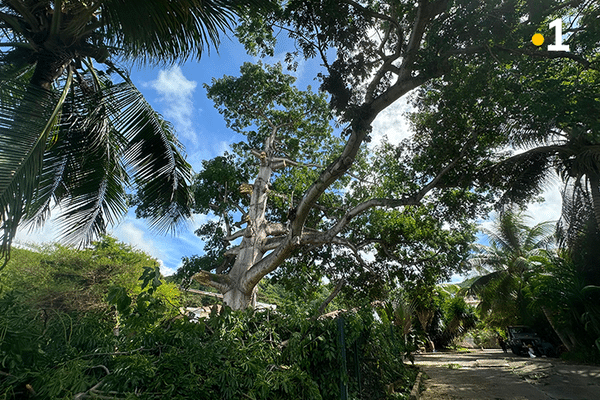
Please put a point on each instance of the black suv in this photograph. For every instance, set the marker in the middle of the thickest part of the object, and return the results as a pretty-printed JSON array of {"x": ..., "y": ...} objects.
[{"x": 520, "y": 337}]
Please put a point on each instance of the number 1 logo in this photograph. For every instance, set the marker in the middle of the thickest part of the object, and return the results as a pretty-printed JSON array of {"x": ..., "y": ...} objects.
[{"x": 558, "y": 45}]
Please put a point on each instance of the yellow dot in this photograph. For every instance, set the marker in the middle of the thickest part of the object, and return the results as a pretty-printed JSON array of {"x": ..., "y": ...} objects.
[{"x": 537, "y": 39}]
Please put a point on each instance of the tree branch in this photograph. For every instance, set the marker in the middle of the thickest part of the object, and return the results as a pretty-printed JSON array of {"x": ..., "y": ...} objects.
[
  {"x": 236, "y": 235},
  {"x": 282, "y": 162},
  {"x": 272, "y": 243},
  {"x": 219, "y": 282},
  {"x": 336, "y": 290},
  {"x": 276, "y": 229},
  {"x": 550, "y": 55},
  {"x": 425, "y": 12},
  {"x": 359, "y": 209},
  {"x": 234, "y": 251}
]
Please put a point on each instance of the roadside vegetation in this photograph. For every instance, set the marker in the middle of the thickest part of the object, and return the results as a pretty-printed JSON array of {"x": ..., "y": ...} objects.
[
  {"x": 545, "y": 276},
  {"x": 101, "y": 322}
]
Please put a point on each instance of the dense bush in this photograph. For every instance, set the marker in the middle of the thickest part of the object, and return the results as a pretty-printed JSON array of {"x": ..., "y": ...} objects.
[
  {"x": 233, "y": 355},
  {"x": 135, "y": 343}
]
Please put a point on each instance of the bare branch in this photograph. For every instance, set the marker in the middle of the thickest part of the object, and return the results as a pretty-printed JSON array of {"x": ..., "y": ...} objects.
[
  {"x": 270, "y": 262},
  {"x": 204, "y": 293},
  {"x": 272, "y": 243},
  {"x": 425, "y": 12},
  {"x": 336, "y": 290},
  {"x": 236, "y": 235},
  {"x": 282, "y": 162},
  {"x": 550, "y": 55},
  {"x": 219, "y": 282},
  {"x": 359, "y": 209},
  {"x": 227, "y": 224},
  {"x": 234, "y": 251}
]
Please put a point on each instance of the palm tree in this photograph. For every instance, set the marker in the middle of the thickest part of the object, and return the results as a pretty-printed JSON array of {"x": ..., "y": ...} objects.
[
  {"x": 574, "y": 154},
  {"x": 513, "y": 252},
  {"x": 74, "y": 130},
  {"x": 568, "y": 289}
]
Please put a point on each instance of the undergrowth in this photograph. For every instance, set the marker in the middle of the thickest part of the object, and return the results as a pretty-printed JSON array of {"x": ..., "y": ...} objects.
[{"x": 140, "y": 346}]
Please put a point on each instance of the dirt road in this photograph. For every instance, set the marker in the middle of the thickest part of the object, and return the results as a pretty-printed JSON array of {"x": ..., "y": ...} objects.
[{"x": 491, "y": 374}]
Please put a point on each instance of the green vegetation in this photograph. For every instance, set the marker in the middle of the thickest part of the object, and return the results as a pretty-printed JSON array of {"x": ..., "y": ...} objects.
[
  {"x": 383, "y": 225},
  {"x": 83, "y": 323},
  {"x": 535, "y": 283}
]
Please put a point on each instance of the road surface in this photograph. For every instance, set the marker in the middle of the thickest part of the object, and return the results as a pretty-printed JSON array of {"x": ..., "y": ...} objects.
[{"x": 491, "y": 374}]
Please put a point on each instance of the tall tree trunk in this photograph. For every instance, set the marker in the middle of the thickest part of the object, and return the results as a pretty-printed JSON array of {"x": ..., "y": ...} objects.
[
  {"x": 238, "y": 291},
  {"x": 239, "y": 300}
]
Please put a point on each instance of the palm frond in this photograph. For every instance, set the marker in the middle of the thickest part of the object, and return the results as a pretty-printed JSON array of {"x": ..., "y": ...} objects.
[
  {"x": 108, "y": 133},
  {"x": 523, "y": 175},
  {"x": 577, "y": 222},
  {"x": 165, "y": 31},
  {"x": 541, "y": 235},
  {"x": 481, "y": 282},
  {"x": 153, "y": 152},
  {"x": 85, "y": 172},
  {"x": 27, "y": 117}
]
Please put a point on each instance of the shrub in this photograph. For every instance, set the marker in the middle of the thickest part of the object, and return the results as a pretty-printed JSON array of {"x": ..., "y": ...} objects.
[{"x": 75, "y": 352}]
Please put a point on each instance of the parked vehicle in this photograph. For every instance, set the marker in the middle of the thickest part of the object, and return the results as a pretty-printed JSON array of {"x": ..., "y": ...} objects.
[{"x": 521, "y": 338}]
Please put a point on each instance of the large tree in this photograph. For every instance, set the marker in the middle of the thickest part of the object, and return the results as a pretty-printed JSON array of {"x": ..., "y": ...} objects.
[
  {"x": 288, "y": 140},
  {"x": 75, "y": 131},
  {"x": 373, "y": 54}
]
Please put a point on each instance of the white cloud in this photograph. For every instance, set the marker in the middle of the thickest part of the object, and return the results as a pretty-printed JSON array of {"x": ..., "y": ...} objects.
[
  {"x": 128, "y": 232},
  {"x": 392, "y": 122},
  {"x": 166, "y": 271},
  {"x": 223, "y": 147},
  {"x": 549, "y": 209},
  {"x": 48, "y": 233},
  {"x": 176, "y": 93}
]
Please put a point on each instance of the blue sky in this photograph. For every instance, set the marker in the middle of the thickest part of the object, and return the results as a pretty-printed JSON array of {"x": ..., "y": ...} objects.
[{"x": 178, "y": 94}]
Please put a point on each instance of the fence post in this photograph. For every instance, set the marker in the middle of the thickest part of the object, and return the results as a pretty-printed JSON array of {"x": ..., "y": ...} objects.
[
  {"x": 357, "y": 368},
  {"x": 343, "y": 371}
]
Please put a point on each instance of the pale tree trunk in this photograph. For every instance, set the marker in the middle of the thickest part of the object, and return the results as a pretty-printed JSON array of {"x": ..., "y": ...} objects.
[
  {"x": 594, "y": 180},
  {"x": 238, "y": 292},
  {"x": 568, "y": 344},
  {"x": 238, "y": 300}
]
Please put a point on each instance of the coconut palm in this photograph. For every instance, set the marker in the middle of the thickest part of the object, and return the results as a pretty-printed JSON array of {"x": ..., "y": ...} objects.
[
  {"x": 573, "y": 153},
  {"x": 506, "y": 264},
  {"x": 568, "y": 289},
  {"x": 74, "y": 130}
]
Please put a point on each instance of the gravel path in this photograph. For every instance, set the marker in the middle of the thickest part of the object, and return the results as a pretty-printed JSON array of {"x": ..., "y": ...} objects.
[{"x": 491, "y": 374}]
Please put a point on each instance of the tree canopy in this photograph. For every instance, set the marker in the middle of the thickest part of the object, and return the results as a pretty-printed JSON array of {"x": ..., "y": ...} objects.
[
  {"x": 374, "y": 53},
  {"x": 288, "y": 140}
]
